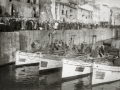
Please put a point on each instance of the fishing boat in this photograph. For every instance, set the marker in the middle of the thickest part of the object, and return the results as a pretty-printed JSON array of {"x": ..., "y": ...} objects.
[
  {"x": 74, "y": 68},
  {"x": 49, "y": 64},
  {"x": 104, "y": 74},
  {"x": 25, "y": 58}
]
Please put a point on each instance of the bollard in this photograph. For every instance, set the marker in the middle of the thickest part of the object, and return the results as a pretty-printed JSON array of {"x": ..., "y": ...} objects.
[{"x": 94, "y": 41}]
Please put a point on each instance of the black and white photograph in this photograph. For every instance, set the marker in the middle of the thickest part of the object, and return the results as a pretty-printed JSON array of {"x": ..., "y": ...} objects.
[{"x": 59, "y": 44}]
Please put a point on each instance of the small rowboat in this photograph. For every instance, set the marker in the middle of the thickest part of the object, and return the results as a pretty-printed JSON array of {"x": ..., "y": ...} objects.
[
  {"x": 49, "y": 64},
  {"x": 105, "y": 74},
  {"x": 75, "y": 68},
  {"x": 25, "y": 58}
]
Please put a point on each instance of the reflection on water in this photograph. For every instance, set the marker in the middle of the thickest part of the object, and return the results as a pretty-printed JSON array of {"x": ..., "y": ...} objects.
[
  {"x": 24, "y": 78},
  {"x": 26, "y": 74},
  {"x": 50, "y": 78},
  {"x": 111, "y": 86},
  {"x": 28, "y": 78},
  {"x": 77, "y": 84},
  {"x": 6, "y": 78},
  {"x": 52, "y": 81}
]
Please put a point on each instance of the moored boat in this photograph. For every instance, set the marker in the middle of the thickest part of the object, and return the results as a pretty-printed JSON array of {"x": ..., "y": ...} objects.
[
  {"x": 49, "y": 64},
  {"x": 25, "y": 58},
  {"x": 74, "y": 68},
  {"x": 105, "y": 74}
]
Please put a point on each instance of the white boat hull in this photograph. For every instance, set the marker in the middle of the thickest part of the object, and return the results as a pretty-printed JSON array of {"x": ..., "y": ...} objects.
[
  {"x": 75, "y": 68},
  {"x": 24, "y": 58},
  {"x": 105, "y": 74},
  {"x": 48, "y": 64}
]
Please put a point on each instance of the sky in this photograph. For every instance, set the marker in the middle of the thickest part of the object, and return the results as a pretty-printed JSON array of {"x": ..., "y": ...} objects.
[{"x": 111, "y": 3}]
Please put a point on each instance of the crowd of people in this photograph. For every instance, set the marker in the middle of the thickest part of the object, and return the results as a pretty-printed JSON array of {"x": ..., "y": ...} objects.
[
  {"x": 13, "y": 24},
  {"x": 16, "y": 24}
]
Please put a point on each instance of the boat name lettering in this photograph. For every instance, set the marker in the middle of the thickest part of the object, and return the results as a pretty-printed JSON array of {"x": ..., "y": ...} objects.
[
  {"x": 44, "y": 64},
  {"x": 22, "y": 60},
  {"x": 80, "y": 69},
  {"x": 100, "y": 75}
]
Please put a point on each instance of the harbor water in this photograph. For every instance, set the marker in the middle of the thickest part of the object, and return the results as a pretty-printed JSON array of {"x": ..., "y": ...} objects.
[{"x": 28, "y": 78}]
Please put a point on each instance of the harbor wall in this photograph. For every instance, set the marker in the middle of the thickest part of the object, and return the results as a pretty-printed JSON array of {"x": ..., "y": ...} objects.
[
  {"x": 28, "y": 37},
  {"x": 84, "y": 35},
  {"x": 22, "y": 40},
  {"x": 9, "y": 43}
]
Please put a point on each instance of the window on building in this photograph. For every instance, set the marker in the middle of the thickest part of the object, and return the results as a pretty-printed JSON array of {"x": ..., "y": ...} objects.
[
  {"x": 62, "y": 12},
  {"x": 66, "y": 12},
  {"x": 28, "y": 1},
  {"x": 34, "y": 1},
  {"x": 18, "y": 0},
  {"x": 10, "y": 0},
  {"x": 89, "y": 16},
  {"x": 63, "y": 6},
  {"x": 70, "y": 10},
  {"x": 34, "y": 10},
  {"x": 63, "y": 19},
  {"x": 0, "y": 10}
]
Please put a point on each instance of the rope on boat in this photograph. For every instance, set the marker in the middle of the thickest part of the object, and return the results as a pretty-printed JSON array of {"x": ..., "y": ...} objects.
[{"x": 32, "y": 58}]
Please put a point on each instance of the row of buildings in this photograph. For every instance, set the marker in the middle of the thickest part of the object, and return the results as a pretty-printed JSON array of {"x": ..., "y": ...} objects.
[
  {"x": 83, "y": 11},
  {"x": 86, "y": 11}
]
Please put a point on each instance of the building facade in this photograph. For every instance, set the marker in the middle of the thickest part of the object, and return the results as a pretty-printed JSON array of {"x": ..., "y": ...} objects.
[
  {"x": 21, "y": 8},
  {"x": 96, "y": 15},
  {"x": 85, "y": 14},
  {"x": 105, "y": 15},
  {"x": 66, "y": 11},
  {"x": 115, "y": 16}
]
